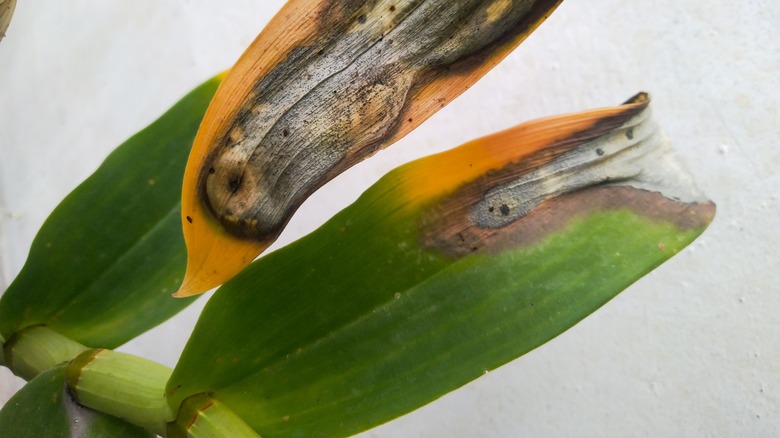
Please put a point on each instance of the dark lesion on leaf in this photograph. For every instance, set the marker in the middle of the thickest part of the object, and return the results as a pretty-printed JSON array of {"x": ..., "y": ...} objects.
[
  {"x": 458, "y": 236},
  {"x": 234, "y": 184},
  {"x": 356, "y": 114},
  {"x": 450, "y": 227}
]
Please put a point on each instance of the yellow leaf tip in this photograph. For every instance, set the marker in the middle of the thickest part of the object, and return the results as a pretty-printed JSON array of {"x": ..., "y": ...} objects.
[
  {"x": 193, "y": 285},
  {"x": 214, "y": 258}
]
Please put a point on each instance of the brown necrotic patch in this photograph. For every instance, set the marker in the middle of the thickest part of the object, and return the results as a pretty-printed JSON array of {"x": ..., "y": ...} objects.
[
  {"x": 619, "y": 162},
  {"x": 342, "y": 93},
  {"x": 457, "y": 236},
  {"x": 461, "y": 203}
]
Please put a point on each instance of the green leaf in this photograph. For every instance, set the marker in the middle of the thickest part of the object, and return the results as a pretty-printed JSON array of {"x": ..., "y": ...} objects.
[
  {"x": 44, "y": 408},
  {"x": 103, "y": 266},
  {"x": 377, "y": 313}
]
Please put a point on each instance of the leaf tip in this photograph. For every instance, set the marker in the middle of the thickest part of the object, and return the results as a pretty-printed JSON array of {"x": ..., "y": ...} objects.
[{"x": 214, "y": 257}]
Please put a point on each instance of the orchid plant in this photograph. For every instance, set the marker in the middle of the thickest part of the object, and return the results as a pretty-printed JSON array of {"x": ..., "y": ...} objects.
[{"x": 447, "y": 267}]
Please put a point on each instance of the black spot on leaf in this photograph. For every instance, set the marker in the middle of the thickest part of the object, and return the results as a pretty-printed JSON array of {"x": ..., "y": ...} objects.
[{"x": 234, "y": 184}]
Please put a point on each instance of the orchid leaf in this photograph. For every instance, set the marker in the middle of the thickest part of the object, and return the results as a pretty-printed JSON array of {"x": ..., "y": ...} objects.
[
  {"x": 325, "y": 85},
  {"x": 45, "y": 408},
  {"x": 446, "y": 268},
  {"x": 103, "y": 266},
  {"x": 6, "y": 12}
]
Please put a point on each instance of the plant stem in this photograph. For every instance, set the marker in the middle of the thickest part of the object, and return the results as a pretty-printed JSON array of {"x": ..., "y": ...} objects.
[
  {"x": 122, "y": 385},
  {"x": 37, "y": 349},
  {"x": 119, "y": 384},
  {"x": 202, "y": 416}
]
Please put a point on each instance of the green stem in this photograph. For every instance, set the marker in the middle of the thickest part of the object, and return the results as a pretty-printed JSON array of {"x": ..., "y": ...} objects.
[
  {"x": 202, "y": 416},
  {"x": 37, "y": 349},
  {"x": 122, "y": 385},
  {"x": 119, "y": 384}
]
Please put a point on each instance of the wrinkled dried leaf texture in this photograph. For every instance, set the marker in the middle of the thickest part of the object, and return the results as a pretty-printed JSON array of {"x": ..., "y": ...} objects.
[{"x": 324, "y": 86}]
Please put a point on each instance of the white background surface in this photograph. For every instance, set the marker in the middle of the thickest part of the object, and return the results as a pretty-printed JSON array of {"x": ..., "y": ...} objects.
[{"x": 690, "y": 350}]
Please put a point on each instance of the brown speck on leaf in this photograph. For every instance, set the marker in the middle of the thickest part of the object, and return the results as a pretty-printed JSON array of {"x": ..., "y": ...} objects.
[
  {"x": 285, "y": 132},
  {"x": 150, "y": 182},
  {"x": 286, "y": 418},
  {"x": 392, "y": 8},
  {"x": 361, "y": 19},
  {"x": 212, "y": 170},
  {"x": 189, "y": 219},
  {"x": 662, "y": 247}
]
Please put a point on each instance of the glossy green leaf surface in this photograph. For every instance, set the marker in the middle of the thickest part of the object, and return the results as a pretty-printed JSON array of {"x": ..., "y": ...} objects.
[
  {"x": 103, "y": 266},
  {"x": 359, "y": 323},
  {"x": 44, "y": 408}
]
